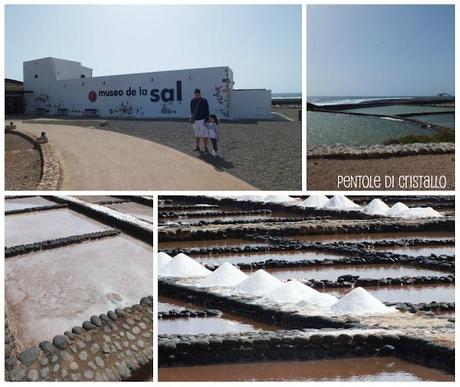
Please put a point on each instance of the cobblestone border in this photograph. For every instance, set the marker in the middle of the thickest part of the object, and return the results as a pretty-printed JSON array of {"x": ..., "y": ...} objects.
[
  {"x": 108, "y": 347},
  {"x": 59, "y": 242},
  {"x": 177, "y": 350},
  {"x": 35, "y": 209},
  {"x": 301, "y": 228},
  {"x": 378, "y": 150},
  {"x": 173, "y": 214},
  {"x": 51, "y": 173},
  {"x": 423, "y": 306},
  {"x": 188, "y": 313},
  {"x": 245, "y": 221}
]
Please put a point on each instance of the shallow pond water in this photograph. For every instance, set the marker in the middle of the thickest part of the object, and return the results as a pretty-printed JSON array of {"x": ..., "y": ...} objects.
[
  {"x": 29, "y": 202},
  {"x": 41, "y": 226},
  {"x": 134, "y": 209},
  {"x": 345, "y": 370},
  {"x": 447, "y": 120},
  {"x": 373, "y": 236},
  {"x": 414, "y": 294},
  {"x": 364, "y": 271},
  {"x": 420, "y": 251},
  {"x": 400, "y": 109},
  {"x": 49, "y": 292},
  {"x": 347, "y": 129},
  {"x": 227, "y": 323},
  {"x": 230, "y": 242}
]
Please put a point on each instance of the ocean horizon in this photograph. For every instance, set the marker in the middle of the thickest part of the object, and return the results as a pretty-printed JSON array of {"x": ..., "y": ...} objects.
[{"x": 340, "y": 100}]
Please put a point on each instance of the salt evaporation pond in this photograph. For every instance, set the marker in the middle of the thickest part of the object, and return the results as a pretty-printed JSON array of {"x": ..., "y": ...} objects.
[
  {"x": 291, "y": 256},
  {"x": 363, "y": 237},
  {"x": 364, "y": 271},
  {"x": 447, "y": 120},
  {"x": 227, "y": 323},
  {"x": 415, "y": 251},
  {"x": 347, "y": 129},
  {"x": 230, "y": 242},
  {"x": 136, "y": 210},
  {"x": 371, "y": 369},
  {"x": 414, "y": 294},
  {"x": 49, "y": 292},
  {"x": 392, "y": 110},
  {"x": 27, "y": 202},
  {"x": 45, "y": 225}
]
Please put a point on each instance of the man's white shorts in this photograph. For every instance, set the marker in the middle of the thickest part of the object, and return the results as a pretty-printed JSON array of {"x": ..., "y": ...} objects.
[{"x": 200, "y": 128}]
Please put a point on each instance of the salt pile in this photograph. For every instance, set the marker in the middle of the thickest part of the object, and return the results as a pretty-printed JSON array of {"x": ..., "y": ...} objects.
[
  {"x": 376, "y": 207},
  {"x": 319, "y": 299},
  {"x": 258, "y": 283},
  {"x": 420, "y": 212},
  {"x": 163, "y": 259},
  {"x": 397, "y": 209},
  {"x": 183, "y": 266},
  {"x": 225, "y": 275},
  {"x": 340, "y": 202},
  {"x": 360, "y": 302},
  {"x": 315, "y": 201},
  {"x": 278, "y": 199},
  {"x": 295, "y": 292}
]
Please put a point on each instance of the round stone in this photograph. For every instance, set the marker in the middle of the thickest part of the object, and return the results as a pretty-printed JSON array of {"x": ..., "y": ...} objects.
[
  {"x": 96, "y": 321},
  {"x": 88, "y": 326},
  {"x": 106, "y": 348},
  {"x": 56, "y": 368},
  {"x": 106, "y": 338},
  {"x": 140, "y": 343},
  {"x": 99, "y": 361},
  {"x": 47, "y": 347},
  {"x": 112, "y": 315},
  {"x": 44, "y": 372},
  {"x": 77, "y": 330},
  {"x": 94, "y": 348},
  {"x": 73, "y": 366},
  {"x": 92, "y": 365},
  {"x": 74, "y": 377},
  {"x": 130, "y": 336},
  {"x": 136, "y": 330},
  {"x": 60, "y": 341},
  {"x": 32, "y": 375},
  {"x": 83, "y": 356},
  {"x": 88, "y": 374},
  {"x": 18, "y": 374},
  {"x": 28, "y": 356},
  {"x": 43, "y": 360}
]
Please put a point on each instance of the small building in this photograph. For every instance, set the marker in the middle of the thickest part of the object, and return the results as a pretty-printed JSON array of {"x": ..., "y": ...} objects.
[
  {"x": 14, "y": 97},
  {"x": 66, "y": 88}
]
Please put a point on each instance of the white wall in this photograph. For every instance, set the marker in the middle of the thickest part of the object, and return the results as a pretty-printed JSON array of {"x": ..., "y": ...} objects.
[
  {"x": 251, "y": 104},
  {"x": 59, "y": 87}
]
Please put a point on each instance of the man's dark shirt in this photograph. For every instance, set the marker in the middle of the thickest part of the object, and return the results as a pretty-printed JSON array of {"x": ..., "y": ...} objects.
[{"x": 202, "y": 112}]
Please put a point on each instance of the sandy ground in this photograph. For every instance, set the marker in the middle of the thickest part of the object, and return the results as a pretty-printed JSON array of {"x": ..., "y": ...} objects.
[
  {"x": 22, "y": 164},
  {"x": 322, "y": 174},
  {"x": 94, "y": 159},
  {"x": 266, "y": 154}
]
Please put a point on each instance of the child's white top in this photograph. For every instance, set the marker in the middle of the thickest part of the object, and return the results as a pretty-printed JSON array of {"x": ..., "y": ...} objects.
[{"x": 212, "y": 128}]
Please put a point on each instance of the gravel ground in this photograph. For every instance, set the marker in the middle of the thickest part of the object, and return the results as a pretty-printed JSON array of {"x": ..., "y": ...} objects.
[
  {"x": 22, "y": 164},
  {"x": 266, "y": 154},
  {"x": 322, "y": 173}
]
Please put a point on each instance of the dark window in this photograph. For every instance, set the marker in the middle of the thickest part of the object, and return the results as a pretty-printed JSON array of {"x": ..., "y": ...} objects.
[
  {"x": 82, "y": 76},
  {"x": 36, "y": 76}
]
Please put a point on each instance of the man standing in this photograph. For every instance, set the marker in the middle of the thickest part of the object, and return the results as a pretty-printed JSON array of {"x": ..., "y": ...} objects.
[{"x": 200, "y": 114}]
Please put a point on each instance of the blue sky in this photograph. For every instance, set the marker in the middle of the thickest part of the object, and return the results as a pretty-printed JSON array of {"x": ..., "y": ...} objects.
[
  {"x": 373, "y": 50},
  {"x": 262, "y": 44}
]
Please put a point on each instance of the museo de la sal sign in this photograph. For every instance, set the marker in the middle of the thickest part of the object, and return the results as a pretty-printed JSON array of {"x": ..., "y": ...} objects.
[{"x": 156, "y": 95}]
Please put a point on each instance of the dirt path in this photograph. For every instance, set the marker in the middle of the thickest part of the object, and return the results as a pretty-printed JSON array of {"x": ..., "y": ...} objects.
[
  {"x": 93, "y": 159},
  {"x": 323, "y": 174}
]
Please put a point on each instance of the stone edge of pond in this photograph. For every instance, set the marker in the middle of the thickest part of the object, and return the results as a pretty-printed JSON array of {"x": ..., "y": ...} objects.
[
  {"x": 51, "y": 171},
  {"x": 59, "y": 242},
  {"x": 378, "y": 150},
  {"x": 122, "y": 337},
  {"x": 28, "y": 210},
  {"x": 177, "y": 350},
  {"x": 331, "y": 227}
]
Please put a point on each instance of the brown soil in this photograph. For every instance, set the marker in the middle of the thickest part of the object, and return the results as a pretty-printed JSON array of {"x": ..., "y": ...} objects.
[
  {"x": 322, "y": 174},
  {"x": 23, "y": 167}
]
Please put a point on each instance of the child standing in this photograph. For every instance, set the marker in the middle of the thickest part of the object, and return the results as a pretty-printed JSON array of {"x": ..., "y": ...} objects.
[{"x": 213, "y": 125}]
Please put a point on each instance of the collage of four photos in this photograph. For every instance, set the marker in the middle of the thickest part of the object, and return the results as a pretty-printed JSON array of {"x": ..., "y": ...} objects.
[{"x": 229, "y": 192}]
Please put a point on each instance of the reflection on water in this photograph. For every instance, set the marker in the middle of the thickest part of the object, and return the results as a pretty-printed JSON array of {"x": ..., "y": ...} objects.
[
  {"x": 447, "y": 120},
  {"x": 345, "y": 370}
]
